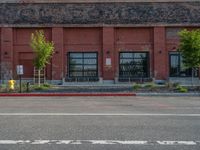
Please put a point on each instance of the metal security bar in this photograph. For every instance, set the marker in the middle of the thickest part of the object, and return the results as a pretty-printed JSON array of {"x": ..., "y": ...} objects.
[
  {"x": 82, "y": 66},
  {"x": 133, "y": 65}
]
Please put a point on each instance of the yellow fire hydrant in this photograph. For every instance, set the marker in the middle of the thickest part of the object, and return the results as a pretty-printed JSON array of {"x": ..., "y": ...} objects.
[{"x": 11, "y": 84}]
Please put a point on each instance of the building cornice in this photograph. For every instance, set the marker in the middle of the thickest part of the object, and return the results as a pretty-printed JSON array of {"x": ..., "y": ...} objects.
[
  {"x": 94, "y": 1},
  {"x": 99, "y": 14}
]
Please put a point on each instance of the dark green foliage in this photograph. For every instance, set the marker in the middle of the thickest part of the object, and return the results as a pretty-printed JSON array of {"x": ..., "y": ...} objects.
[
  {"x": 150, "y": 86},
  {"x": 43, "y": 51},
  {"x": 42, "y": 48},
  {"x": 190, "y": 47},
  {"x": 137, "y": 86},
  {"x": 181, "y": 89}
]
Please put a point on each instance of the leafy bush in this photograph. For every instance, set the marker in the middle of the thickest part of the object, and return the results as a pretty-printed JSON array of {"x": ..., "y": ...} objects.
[
  {"x": 176, "y": 84},
  {"x": 150, "y": 86},
  {"x": 182, "y": 89},
  {"x": 137, "y": 86},
  {"x": 41, "y": 87},
  {"x": 169, "y": 85},
  {"x": 3, "y": 88},
  {"x": 47, "y": 85}
]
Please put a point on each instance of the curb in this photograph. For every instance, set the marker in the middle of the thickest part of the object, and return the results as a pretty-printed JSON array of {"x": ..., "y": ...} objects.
[
  {"x": 168, "y": 94},
  {"x": 64, "y": 94}
]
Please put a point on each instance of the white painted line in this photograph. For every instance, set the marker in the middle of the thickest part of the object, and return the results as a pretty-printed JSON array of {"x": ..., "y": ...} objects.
[
  {"x": 133, "y": 142},
  {"x": 41, "y": 142},
  {"x": 102, "y": 142},
  {"x": 97, "y": 142},
  {"x": 96, "y": 114},
  {"x": 14, "y": 142},
  {"x": 64, "y": 142},
  {"x": 177, "y": 142}
]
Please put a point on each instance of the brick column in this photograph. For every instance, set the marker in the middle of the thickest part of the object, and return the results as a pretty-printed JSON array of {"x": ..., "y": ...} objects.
[
  {"x": 6, "y": 53},
  {"x": 160, "y": 54},
  {"x": 57, "y": 60},
  {"x": 108, "y": 53}
]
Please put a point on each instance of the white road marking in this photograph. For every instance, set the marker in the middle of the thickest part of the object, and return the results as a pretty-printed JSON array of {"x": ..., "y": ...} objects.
[
  {"x": 102, "y": 142},
  {"x": 133, "y": 142},
  {"x": 14, "y": 142},
  {"x": 97, "y": 114},
  {"x": 98, "y": 142},
  {"x": 41, "y": 142},
  {"x": 176, "y": 142},
  {"x": 64, "y": 142}
]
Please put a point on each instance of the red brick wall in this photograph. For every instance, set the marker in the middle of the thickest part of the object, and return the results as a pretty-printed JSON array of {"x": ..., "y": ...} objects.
[
  {"x": 23, "y": 52},
  {"x": 133, "y": 39},
  {"x": 107, "y": 41},
  {"x": 160, "y": 53},
  {"x": 108, "y": 53},
  {"x": 7, "y": 53},
  {"x": 0, "y": 53},
  {"x": 172, "y": 38},
  {"x": 58, "y": 56},
  {"x": 83, "y": 39}
]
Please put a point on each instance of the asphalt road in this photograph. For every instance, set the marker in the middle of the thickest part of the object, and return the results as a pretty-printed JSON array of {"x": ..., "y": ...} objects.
[{"x": 100, "y": 123}]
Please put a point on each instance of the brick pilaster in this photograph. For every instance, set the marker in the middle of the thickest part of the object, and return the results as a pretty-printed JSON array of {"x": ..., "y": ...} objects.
[
  {"x": 7, "y": 53},
  {"x": 160, "y": 54},
  {"x": 108, "y": 53},
  {"x": 57, "y": 60}
]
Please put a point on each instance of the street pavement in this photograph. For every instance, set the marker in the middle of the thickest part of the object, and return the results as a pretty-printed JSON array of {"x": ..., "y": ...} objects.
[{"x": 99, "y": 123}]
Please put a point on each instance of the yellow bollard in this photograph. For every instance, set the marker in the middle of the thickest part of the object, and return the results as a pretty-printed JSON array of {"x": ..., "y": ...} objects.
[{"x": 11, "y": 84}]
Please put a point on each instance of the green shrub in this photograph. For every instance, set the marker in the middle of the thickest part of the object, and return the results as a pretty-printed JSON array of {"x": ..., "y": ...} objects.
[
  {"x": 47, "y": 85},
  {"x": 41, "y": 87},
  {"x": 38, "y": 88},
  {"x": 150, "y": 86},
  {"x": 169, "y": 85},
  {"x": 176, "y": 84},
  {"x": 3, "y": 88},
  {"x": 136, "y": 86},
  {"x": 182, "y": 89}
]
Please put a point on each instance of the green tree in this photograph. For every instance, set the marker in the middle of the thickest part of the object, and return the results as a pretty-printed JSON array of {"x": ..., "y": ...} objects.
[
  {"x": 43, "y": 50},
  {"x": 190, "y": 48}
]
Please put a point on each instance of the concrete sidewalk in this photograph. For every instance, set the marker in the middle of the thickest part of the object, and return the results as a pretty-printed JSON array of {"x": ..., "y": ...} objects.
[
  {"x": 64, "y": 94},
  {"x": 96, "y": 94}
]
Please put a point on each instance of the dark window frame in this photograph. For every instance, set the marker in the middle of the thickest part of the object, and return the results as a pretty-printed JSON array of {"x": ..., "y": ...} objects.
[
  {"x": 179, "y": 69},
  {"x": 139, "y": 76},
  {"x": 82, "y": 64}
]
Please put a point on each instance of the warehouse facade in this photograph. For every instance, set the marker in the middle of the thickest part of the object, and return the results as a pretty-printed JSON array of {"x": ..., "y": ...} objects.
[{"x": 95, "y": 41}]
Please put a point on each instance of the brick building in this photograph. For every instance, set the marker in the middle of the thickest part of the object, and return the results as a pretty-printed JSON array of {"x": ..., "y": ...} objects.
[{"x": 98, "y": 40}]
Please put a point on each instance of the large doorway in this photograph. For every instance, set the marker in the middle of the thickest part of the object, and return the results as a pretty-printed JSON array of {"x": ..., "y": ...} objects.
[
  {"x": 82, "y": 66},
  {"x": 133, "y": 66}
]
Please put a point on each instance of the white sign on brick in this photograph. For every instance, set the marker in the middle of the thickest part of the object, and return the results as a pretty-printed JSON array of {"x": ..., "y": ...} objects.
[{"x": 20, "y": 70}]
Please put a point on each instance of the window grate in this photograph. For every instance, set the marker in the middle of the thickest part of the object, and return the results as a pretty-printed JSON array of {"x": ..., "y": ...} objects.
[
  {"x": 134, "y": 65},
  {"x": 83, "y": 66}
]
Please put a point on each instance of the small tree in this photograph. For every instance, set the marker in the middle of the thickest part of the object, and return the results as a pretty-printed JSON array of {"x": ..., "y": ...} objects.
[
  {"x": 190, "y": 48},
  {"x": 43, "y": 50}
]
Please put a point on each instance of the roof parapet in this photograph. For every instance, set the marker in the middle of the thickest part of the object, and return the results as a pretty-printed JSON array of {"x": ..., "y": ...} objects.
[{"x": 93, "y": 1}]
